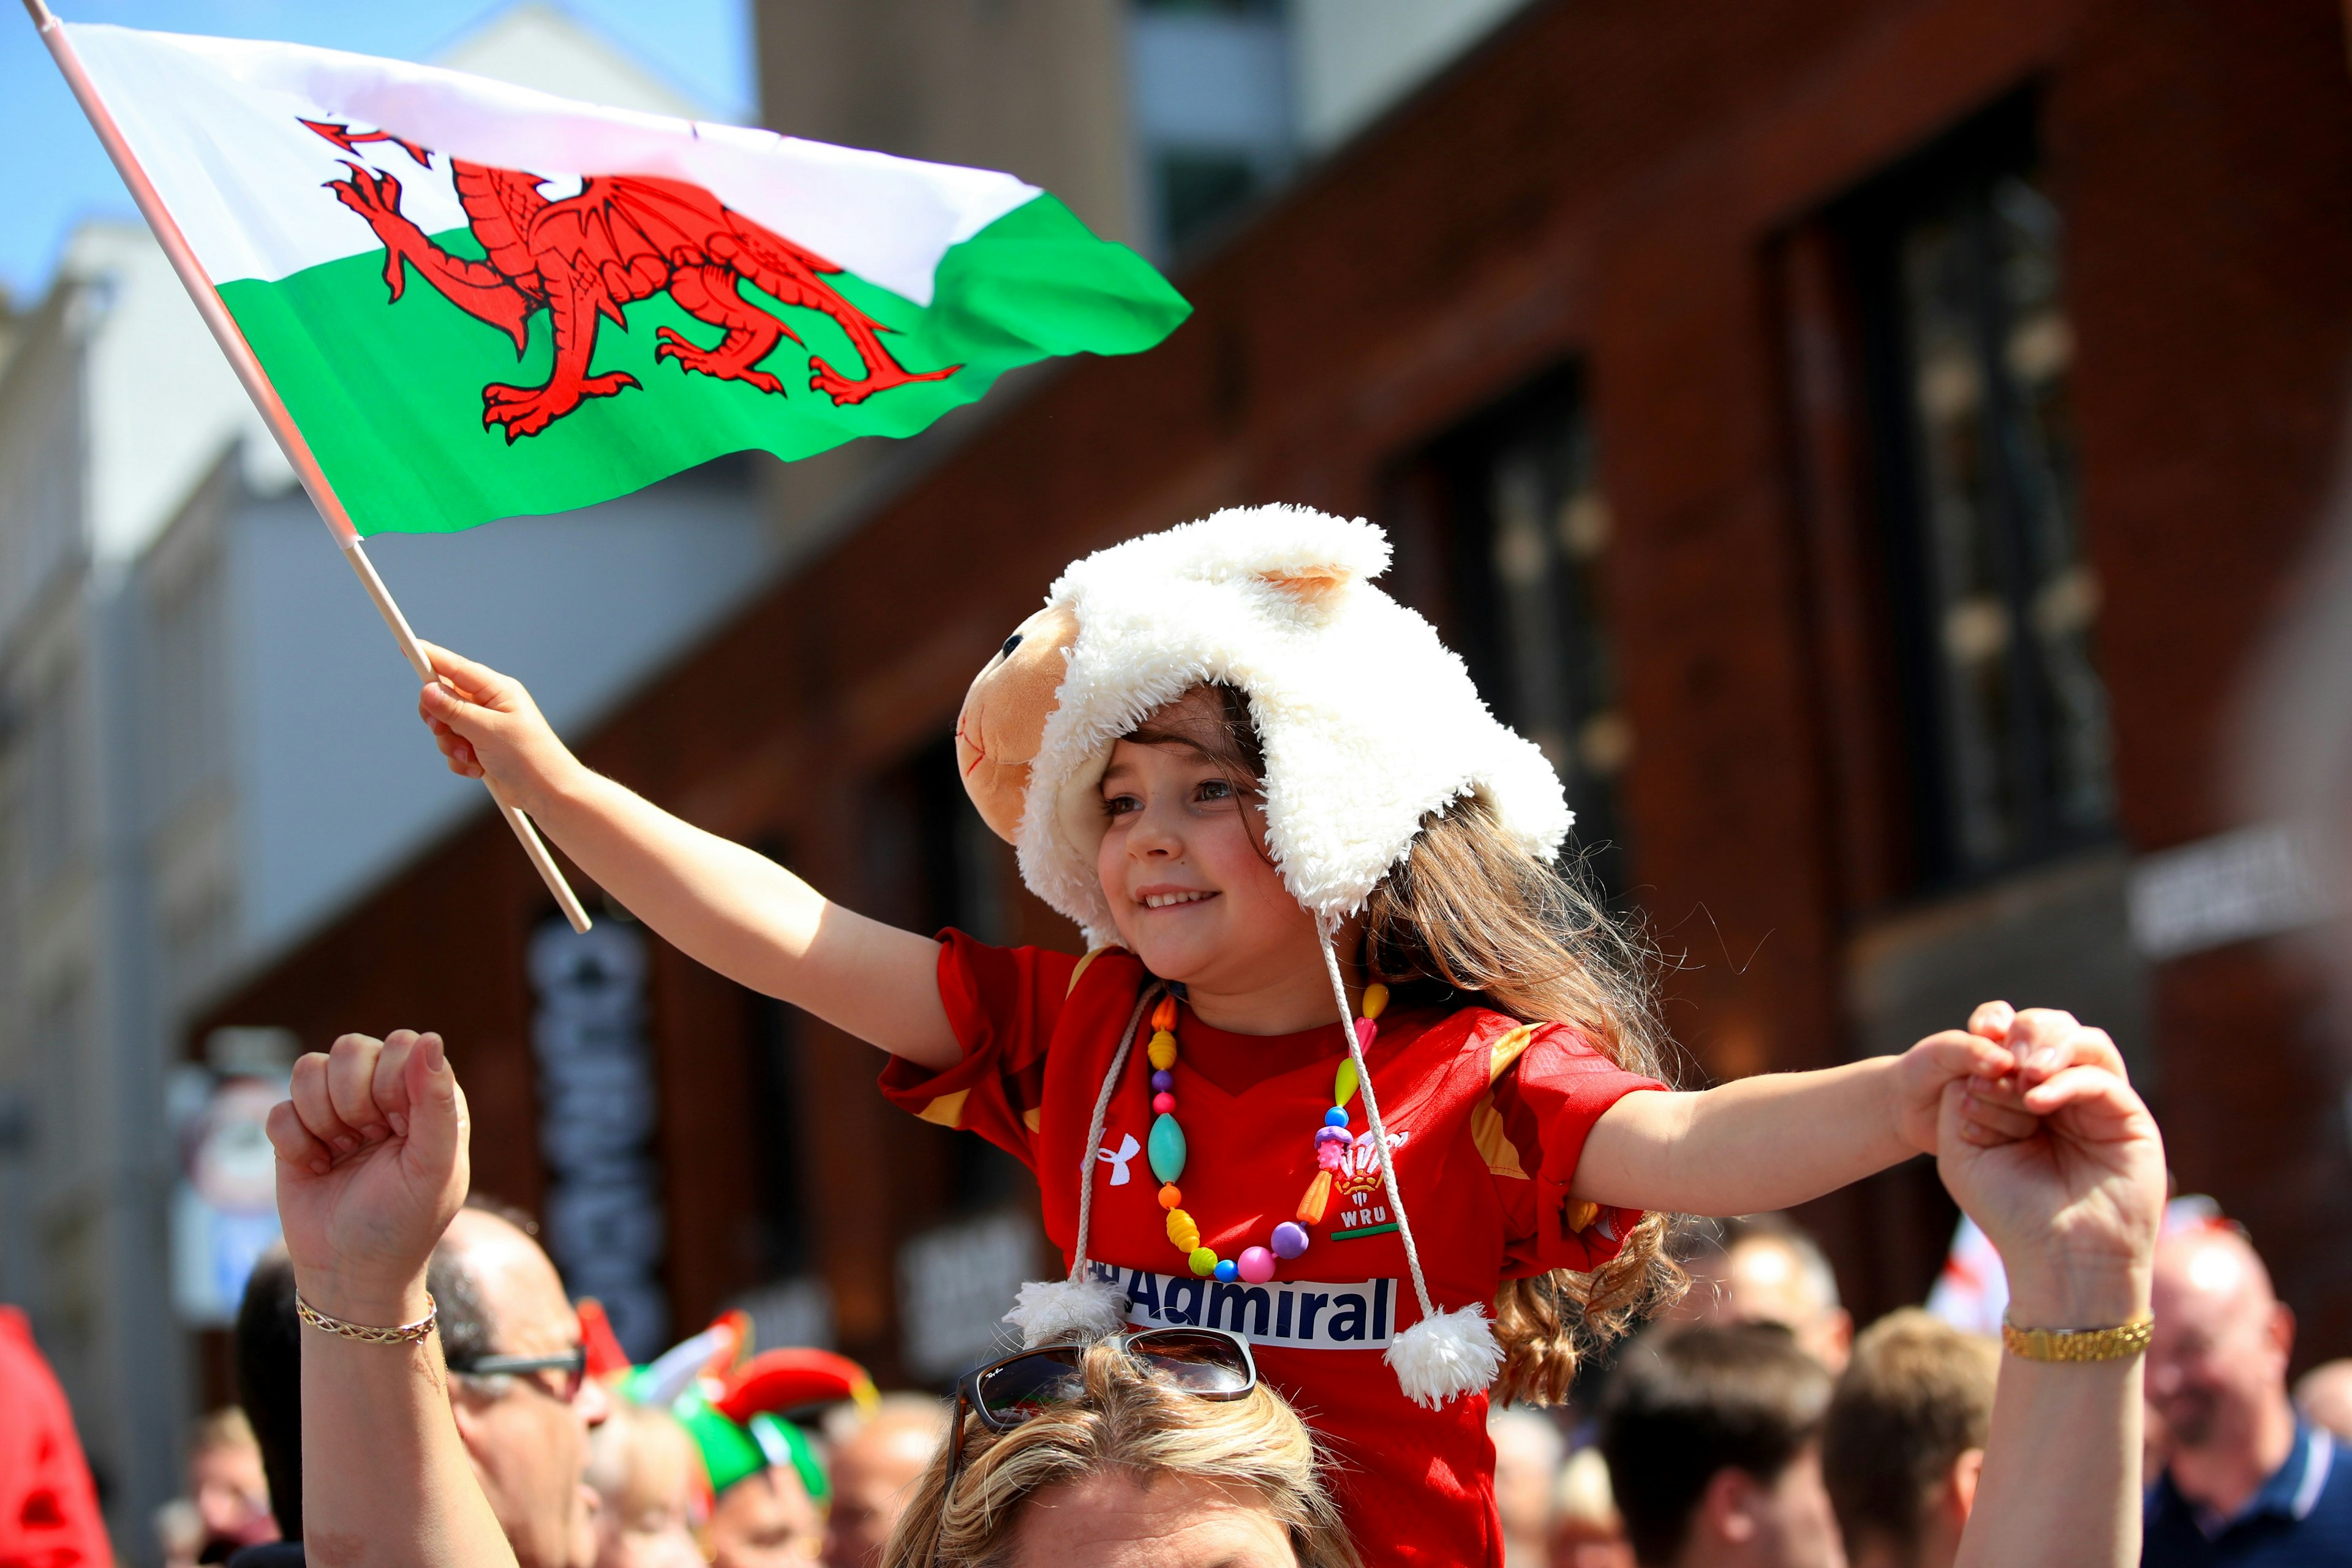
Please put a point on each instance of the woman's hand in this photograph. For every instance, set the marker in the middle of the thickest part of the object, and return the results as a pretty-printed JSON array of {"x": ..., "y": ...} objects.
[
  {"x": 487, "y": 724},
  {"x": 2065, "y": 1175},
  {"x": 372, "y": 1165}
]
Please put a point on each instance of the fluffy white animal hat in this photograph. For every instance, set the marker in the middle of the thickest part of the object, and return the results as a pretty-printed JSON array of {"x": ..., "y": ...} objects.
[{"x": 1368, "y": 723}]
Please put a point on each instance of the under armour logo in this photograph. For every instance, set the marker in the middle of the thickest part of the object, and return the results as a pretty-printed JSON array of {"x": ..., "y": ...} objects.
[{"x": 1128, "y": 1148}]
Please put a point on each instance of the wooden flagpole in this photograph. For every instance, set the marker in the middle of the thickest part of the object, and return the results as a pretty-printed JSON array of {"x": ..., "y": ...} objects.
[{"x": 231, "y": 338}]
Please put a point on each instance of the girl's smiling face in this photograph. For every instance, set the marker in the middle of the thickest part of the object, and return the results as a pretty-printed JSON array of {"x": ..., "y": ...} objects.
[{"x": 1191, "y": 889}]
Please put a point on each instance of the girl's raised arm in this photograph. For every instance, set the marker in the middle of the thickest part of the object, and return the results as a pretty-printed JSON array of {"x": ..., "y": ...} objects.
[
  {"x": 724, "y": 906},
  {"x": 1776, "y": 1140}
]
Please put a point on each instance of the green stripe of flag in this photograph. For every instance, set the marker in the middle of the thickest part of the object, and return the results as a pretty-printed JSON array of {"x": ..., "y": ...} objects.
[{"x": 389, "y": 393}]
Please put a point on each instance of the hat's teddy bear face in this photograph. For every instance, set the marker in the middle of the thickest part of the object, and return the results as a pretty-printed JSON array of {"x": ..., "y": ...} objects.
[{"x": 1004, "y": 715}]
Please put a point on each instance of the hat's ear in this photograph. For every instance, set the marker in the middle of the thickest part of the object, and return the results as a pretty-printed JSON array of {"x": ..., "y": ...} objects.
[
  {"x": 1311, "y": 587},
  {"x": 1004, "y": 715}
]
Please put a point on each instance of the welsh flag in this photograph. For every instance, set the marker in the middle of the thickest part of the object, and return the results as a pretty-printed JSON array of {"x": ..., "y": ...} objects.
[{"x": 478, "y": 301}]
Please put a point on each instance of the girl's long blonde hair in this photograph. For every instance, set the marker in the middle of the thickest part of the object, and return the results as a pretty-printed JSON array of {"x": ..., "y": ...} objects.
[
  {"x": 1469, "y": 918},
  {"x": 1127, "y": 1424}
]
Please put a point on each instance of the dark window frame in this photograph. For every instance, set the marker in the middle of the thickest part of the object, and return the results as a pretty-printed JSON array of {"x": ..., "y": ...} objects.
[{"x": 1961, "y": 172}]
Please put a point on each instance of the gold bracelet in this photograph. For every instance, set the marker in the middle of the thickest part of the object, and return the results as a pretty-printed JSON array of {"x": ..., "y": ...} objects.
[
  {"x": 406, "y": 1334},
  {"x": 2078, "y": 1344}
]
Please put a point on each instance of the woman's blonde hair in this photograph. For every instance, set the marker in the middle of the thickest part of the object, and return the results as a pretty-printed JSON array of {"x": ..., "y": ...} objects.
[
  {"x": 1469, "y": 918},
  {"x": 1129, "y": 1423}
]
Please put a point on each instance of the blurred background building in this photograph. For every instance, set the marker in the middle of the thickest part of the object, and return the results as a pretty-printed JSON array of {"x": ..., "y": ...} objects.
[{"x": 1872, "y": 445}]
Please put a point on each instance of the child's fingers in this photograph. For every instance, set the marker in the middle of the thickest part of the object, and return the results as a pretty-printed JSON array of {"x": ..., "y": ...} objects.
[
  {"x": 293, "y": 1141},
  {"x": 308, "y": 1095},
  {"x": 1992, "y": 1019},
  {"x": 1958, "y": 1054},
  {"x": 465, "y": 679},
  {"x": 2039, "y": 1038}
]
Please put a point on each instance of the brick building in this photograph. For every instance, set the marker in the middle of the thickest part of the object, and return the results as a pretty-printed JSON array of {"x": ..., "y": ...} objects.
[{"x": 1867, "y": 443}]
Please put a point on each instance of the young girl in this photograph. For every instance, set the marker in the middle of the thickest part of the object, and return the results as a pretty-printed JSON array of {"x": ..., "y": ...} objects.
[{"x": 1350, "y": 1059}]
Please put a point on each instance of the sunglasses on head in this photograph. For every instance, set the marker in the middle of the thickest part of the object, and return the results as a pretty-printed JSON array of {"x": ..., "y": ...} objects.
[
  {"x": 572, "y": 1363},
  {"x": 1207, "y": 1363}
]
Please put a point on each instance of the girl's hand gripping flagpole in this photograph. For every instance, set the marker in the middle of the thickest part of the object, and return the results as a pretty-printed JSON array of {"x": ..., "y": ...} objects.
[{"x": 258, "y": 386}]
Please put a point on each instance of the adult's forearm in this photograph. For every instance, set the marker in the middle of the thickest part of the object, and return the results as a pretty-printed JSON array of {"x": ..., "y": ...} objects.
[
  {"x": 1755, "y": 1144},
  {"x": 385, "y": 1479}
]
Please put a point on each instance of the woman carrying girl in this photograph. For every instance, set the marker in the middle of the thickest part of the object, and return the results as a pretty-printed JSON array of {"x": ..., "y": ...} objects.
[{"x": 1352, "y": 1064}]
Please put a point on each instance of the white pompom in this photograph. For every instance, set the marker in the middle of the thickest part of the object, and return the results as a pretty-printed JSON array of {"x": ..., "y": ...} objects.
[
  {"x": 1445, "y": 1356},
  {"x": 1053, "y": 1311}
]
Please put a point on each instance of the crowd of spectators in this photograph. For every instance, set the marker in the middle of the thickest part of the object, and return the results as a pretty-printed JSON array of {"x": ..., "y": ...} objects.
[{"x": 1753, "y": 1428}]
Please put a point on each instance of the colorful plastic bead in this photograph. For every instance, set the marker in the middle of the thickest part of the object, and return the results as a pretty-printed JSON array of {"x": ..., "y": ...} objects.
[
  {"x": 1162, "y": 1050},
  {"x": 1163, "y": 1017},
  {"x": 1366, "y": 1030},
  {"x": 1166, "y": 1148},
  {"x": 1343, "y": 1082},
  {"x": 1256, "y": 1265},
  {"x": 1318, "y": 1199},
  {"x": 1165, "y": 1104},
  {"x": 1204, "y": 1262},
  {"x": 1169, "y": 1196},
  {"x": 1334, "y": 1117},
  {"x": 1162, "y": 1080},
  {"x": 1227, "y": 1269},
  {"x": 1289, "y": 1240},
  {"x": 1376, "y": 999},
  {"x": 1183, "y": 1233}
]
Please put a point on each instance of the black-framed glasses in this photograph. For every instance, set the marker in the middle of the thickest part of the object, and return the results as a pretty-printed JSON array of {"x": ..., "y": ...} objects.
[
  {"x": 573, "y": 1364},
  {"x": 1207, "y": 1363}
]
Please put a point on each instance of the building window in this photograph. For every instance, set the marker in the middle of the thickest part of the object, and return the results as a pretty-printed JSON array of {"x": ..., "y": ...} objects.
[
  {"x": 1526, "y": 531},
  {"x": 1211, "y": 94},
  {"x": 1959, "y": 270},
  {"x": 931, "y": 862}
]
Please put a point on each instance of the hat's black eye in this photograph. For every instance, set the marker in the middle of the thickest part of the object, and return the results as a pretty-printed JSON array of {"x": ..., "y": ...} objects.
[{"x": 1010, "y": 643}]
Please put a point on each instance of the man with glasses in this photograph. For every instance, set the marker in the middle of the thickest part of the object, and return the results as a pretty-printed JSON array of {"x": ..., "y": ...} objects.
[{"x": 518, "y": 1384}]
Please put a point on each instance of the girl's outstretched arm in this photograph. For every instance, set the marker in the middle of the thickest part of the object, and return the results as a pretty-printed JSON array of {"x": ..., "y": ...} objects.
[
  {"x": 737, "y": 912},
  {"x": 1779, "y": 1138}
]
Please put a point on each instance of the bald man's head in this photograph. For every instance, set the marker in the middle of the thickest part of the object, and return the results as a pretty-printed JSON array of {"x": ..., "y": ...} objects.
[{"x": 2217, "y": 1368}]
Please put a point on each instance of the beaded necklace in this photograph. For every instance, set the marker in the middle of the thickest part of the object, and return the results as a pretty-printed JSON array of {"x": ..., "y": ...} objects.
[{"x": 1167, "y": 1152}]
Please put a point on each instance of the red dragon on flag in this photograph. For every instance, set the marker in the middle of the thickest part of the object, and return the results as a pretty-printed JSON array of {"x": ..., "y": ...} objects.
[{"x": 584, "y": 258}]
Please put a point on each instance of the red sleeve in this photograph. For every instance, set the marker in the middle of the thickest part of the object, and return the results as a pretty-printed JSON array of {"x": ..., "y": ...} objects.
[
  {"x": 49, "y": 1509},
  {"x": 1541, "y": 1106},
  {"x": 1002, "y": 1003}
]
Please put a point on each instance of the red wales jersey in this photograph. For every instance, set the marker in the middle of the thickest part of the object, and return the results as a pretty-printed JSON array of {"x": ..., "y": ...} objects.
[{"x": 1486, "y": 1118}]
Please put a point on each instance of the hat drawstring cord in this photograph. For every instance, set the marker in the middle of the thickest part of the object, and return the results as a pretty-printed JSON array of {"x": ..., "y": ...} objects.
[
  {"x": 1087, "y": 1158},
  {"x": 1373, "y": 1113}
]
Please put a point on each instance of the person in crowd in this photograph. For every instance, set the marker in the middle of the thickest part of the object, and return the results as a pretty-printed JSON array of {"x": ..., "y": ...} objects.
[
  {"x": 267, "y": 1348},
  {"x": 1321, "y": 893},
  {"x": 1146, "y": 1458},
  {"x": 769, "y": 1518},
  {"x": 1765, "y": 1268},
  {"x": 877, "y": 1458},
  {"x": 517, "y": 1382},
  {"x": 1528, "y": 1454},
  {"x": 1587, "y": 1530},
  {"x": 1713, "y": 1437},
  {"x": 650, "y": 1492},
  {"x": 2324, "y": 1396},
  {"x": 2246, "y": 1479},
  {"x": 227, "y": 1484},
  {"x": 1903, "y": 1445},
  {"x": 48, "y": 1504}
]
